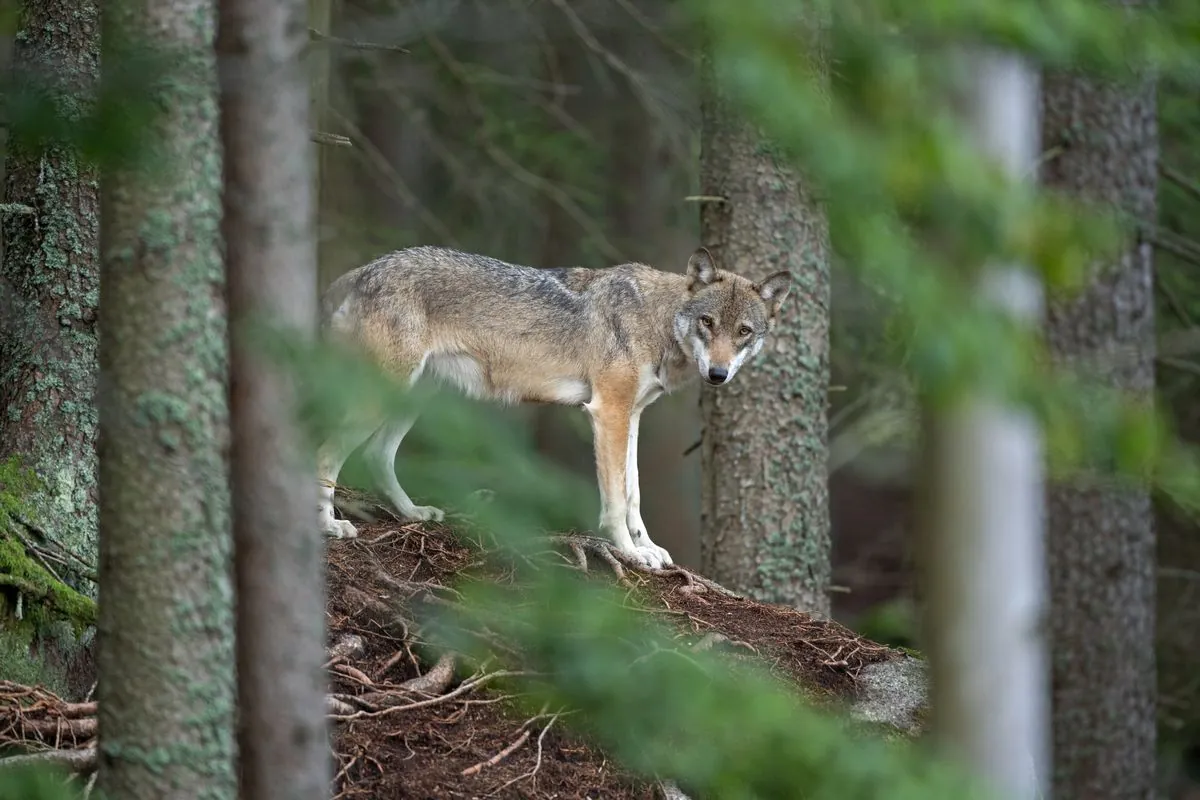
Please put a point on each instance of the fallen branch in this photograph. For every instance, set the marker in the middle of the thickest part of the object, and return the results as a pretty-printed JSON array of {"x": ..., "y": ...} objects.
[
  {"x": 496, "y": 759},
  {"x": 463, "y": 688},
  {"x": 537, "y": 764}
]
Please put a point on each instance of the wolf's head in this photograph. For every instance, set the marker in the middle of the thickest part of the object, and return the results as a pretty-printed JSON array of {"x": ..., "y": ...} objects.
[{"x": 726, "y": 317}]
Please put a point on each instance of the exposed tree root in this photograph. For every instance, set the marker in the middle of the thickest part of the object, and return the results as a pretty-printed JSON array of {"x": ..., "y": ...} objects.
[{"x": 82, "y": 760}]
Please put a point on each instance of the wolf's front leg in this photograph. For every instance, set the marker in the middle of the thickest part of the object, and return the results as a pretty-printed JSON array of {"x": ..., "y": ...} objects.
[
  {"x": 633, "y": 495},
  {"x": 611, "y": 410}
]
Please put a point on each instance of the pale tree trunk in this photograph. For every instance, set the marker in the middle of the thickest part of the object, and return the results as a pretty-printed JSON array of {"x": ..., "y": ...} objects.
[
  {"x": 764, "y": 526},
  {"x": 1104, "y": 143},
  {"x": 166, "y": 626},
  {"x": 49, "y": 283},
  {"x": 272, "y": 274},
  {"x": 981, "y": 538}
]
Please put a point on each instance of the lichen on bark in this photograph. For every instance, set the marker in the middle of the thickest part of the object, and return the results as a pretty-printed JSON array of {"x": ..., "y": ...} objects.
[
  {"x": 765, "y": 499},
  {"x": 165, "y": 630},
  {"x": 49, "y": 282}
]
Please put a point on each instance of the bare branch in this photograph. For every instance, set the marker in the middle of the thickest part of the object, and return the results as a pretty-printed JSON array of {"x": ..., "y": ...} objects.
[
  {"x": 1179, "y": 179},
  {"x": 503, "y": 159},
  {"x": 315, "y": 35},
  {"x": 379, "y": 161},
  {"x": 1177, "y": 249},
  {"x": 335, "y": 139}
]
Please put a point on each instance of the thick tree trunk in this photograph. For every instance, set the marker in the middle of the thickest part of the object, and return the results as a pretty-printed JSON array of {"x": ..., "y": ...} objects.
[
  {"x": 765, "y": 499},
  {"x": 1102, "y": 550},
  {"x": 166, "y": 627},
  {"x": 49, "y": 284},
  {"x": 272, "y": 273}
]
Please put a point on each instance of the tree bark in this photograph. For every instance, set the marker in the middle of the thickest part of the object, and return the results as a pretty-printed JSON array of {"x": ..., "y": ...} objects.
[
  {"x": 49, "y": 283},
  {"x": 272, "y": 274},
  {"x": 1101, "y": 538},
  {"x": 166, "y": 627},
  {"x": 765, "y": 501},
  {"x": 981, "y": 537}
]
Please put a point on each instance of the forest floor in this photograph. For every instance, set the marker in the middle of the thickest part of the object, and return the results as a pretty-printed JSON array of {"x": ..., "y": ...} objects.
[{"x": 408, "y": 729}]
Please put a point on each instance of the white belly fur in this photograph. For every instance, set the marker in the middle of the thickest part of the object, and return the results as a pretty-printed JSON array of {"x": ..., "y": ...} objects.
[{"x": 466, "y": 373}]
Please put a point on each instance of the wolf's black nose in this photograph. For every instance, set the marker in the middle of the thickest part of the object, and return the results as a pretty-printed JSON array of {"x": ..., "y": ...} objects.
[{"x": 717, "y": 375}]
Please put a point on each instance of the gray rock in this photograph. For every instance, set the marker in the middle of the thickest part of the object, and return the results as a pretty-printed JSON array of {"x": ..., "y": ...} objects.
[{"x": 893, "y": 693}]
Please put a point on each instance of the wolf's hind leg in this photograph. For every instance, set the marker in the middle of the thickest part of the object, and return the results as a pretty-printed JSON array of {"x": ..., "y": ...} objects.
[
  {"x": 380, "y": 454},
  {"x": 331, "y": 455}
]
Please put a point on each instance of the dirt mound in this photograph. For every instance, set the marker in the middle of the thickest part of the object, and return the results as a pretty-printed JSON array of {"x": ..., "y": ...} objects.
[
  {"x": 404, "y": 727},
  {"x": 407, "y": 729}
]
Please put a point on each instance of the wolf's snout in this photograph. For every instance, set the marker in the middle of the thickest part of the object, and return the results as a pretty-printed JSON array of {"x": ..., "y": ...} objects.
[{"x": 717, "y": 375}]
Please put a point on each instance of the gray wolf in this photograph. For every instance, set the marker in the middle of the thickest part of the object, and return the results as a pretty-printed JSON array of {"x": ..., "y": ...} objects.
[{"x": 610, "y": 340}]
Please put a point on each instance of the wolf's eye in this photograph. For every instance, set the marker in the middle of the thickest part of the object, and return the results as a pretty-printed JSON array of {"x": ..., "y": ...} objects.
[
  {"x": 744, "y": 331},
  {"x": 706, "y": 321}
]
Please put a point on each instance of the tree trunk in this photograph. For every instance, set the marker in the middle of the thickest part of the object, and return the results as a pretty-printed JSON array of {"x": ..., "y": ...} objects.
[
  {"x": 981, "y": 537},
  {"x": 49, "y": 285},
  {"x": 272, "y": 274},
  {"x": 765, "y": 500},
  {"x": 166, "y": 627},
  {"x": 1101, "y": 538}
]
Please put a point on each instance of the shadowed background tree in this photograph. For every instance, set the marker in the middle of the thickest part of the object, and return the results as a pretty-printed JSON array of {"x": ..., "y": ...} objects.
[
  {"x": 268, "y": 226},
  {"x": 1101, "y": 145}
]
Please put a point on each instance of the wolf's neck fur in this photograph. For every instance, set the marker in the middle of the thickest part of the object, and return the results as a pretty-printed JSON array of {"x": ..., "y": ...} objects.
[{"x": 675, "y": 368}]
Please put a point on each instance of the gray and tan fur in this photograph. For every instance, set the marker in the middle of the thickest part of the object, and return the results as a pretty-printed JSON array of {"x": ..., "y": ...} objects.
[{"x": 610, "y": 340}]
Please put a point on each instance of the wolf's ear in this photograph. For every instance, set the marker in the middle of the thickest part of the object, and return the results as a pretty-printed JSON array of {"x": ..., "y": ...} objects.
[
  {"x": 774, "y": 289},
  {"x": 701, "y": 268}
]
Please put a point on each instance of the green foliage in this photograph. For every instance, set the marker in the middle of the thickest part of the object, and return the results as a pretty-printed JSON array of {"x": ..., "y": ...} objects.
[
  {"x": 105, "y": 124},
  {"x": 893, "y": 622},
  {"x": 916, "y": 211},
  {"x": 37, "y": 783}
]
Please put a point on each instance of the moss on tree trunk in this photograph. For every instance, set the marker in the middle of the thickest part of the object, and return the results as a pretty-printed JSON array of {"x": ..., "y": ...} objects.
[
  {"x": 166, "y": 628},
  {"x": 1101, "y": 538},
  {"x": 765, "y": 498},
  {"x": 49, "y": 283}
]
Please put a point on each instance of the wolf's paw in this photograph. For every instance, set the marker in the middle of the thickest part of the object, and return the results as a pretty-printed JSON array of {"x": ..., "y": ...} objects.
[
  {"x": 648, "y": 554},
  {"x": 424, "y": 514},
  {"x": 339, "y": 529}
]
